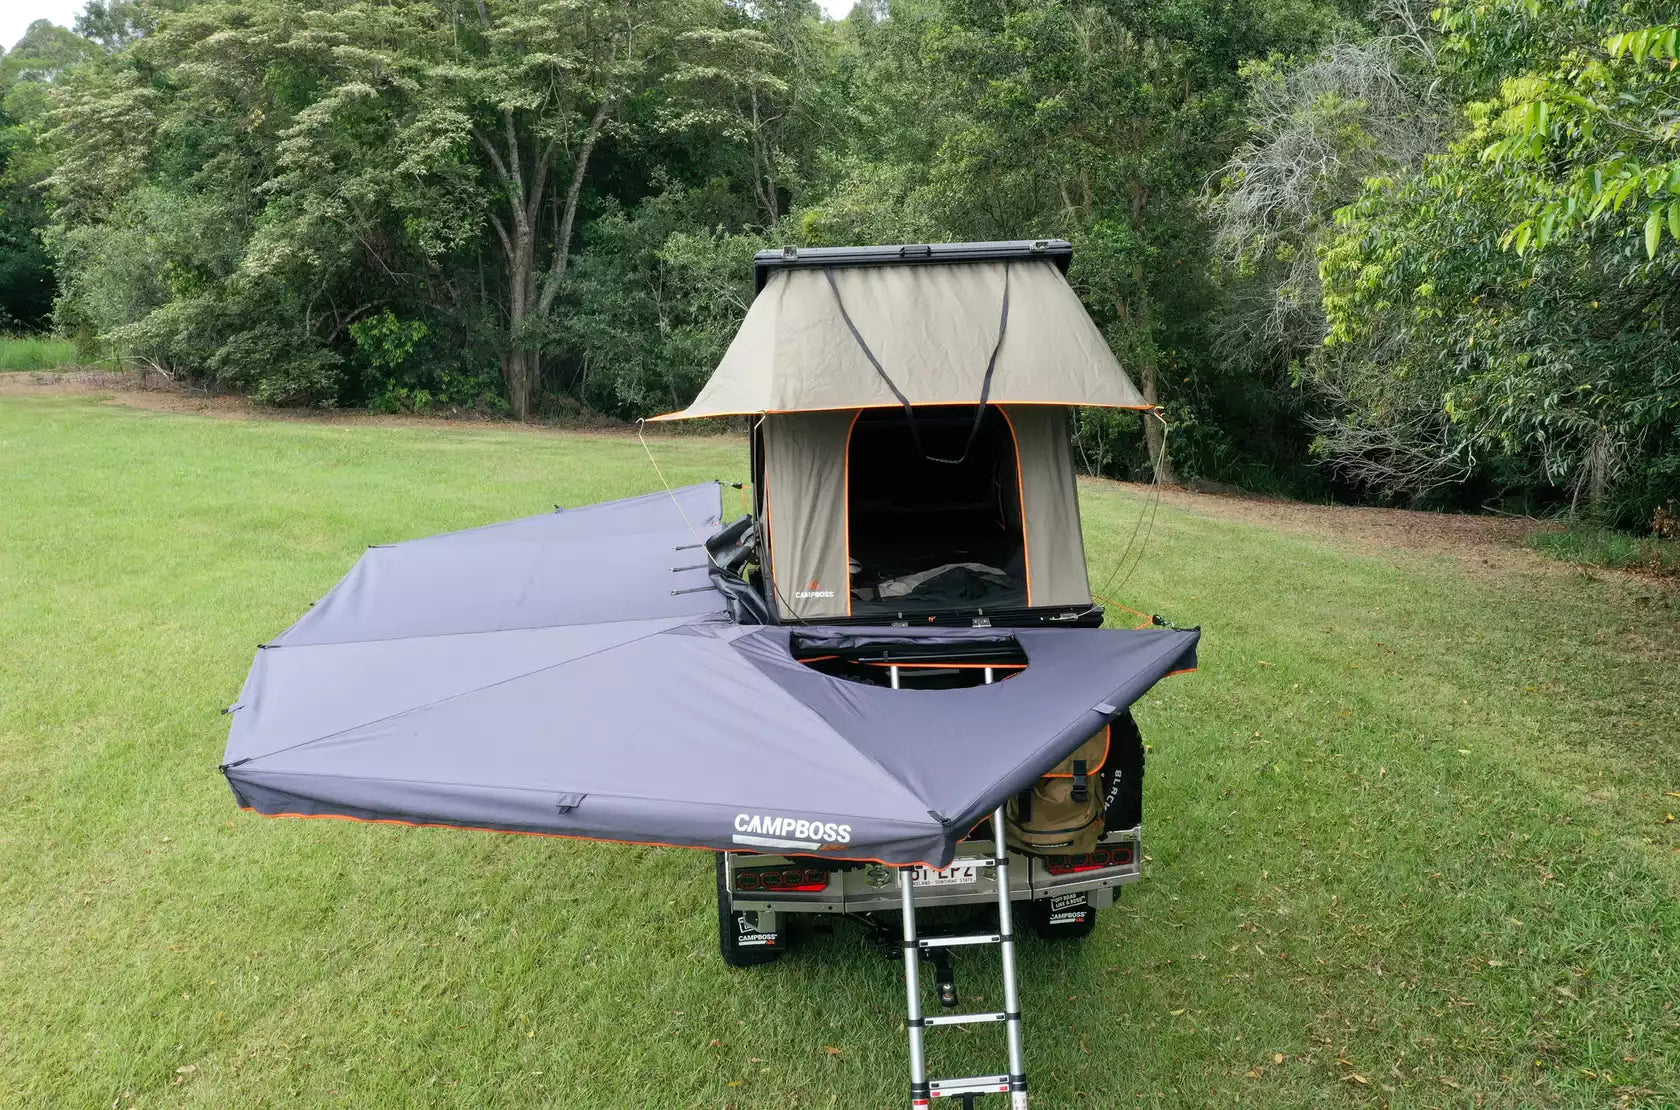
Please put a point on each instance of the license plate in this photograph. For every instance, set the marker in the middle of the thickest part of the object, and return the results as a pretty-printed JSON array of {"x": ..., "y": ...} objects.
[{"x": 958, "y": 874}]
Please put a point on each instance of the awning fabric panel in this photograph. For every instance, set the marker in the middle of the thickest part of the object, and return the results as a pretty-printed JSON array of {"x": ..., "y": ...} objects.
[
  {"x": 675, "y": 728},
  {"x": 1056, "y": 572},
  {"x": 932, "y": 327},
  {"x": 609, "y": 562}
]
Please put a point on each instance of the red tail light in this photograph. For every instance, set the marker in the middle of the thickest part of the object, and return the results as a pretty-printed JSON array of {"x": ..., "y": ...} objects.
[
  {"x": 1117, "y": 855},
  {"x": 780, "y": 880}
]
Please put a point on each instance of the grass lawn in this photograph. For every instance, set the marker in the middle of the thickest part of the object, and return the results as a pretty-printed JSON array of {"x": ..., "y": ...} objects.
[
  {"x": 1407, "y": 827},
  {"x": 1603, "y": 547},
  {"x": 35, "y": 352}
]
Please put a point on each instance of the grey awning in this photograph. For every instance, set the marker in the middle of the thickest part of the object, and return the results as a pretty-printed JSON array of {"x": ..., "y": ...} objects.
[{"x": 572, "y": 674}]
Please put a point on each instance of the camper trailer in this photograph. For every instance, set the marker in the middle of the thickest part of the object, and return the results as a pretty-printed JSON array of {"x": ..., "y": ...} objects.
[
  {"x": 909, "y": 411},
  {"x": 883, "y": 689}
]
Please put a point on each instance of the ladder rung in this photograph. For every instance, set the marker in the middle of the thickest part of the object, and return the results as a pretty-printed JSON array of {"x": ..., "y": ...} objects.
[
  {"x": 964, "y": 1019},
  {"x": 952, "y": 942},
  {"x": 973, "y": 1085}
]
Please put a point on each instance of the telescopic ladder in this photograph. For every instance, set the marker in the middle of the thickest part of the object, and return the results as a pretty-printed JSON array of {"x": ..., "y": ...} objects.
[{"x": 1014, "y": 1084}]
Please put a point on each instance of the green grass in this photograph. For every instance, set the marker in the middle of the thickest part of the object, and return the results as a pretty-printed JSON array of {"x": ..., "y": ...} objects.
[
  {"x": 35, "y": 352},
  {"x": 1606, "y": 547},
  {"x": 1406, "y": 828}
]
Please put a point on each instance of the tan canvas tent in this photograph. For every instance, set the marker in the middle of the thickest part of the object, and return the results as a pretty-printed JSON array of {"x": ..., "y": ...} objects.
[{"x": 912, "y": 455}]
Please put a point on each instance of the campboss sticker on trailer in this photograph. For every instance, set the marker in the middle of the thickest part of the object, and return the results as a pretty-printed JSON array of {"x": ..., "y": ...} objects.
[
  {"x": 762, "y": 830},
  {"x": 749, "y": 935},
  {"x": 1069, "y": 909}
]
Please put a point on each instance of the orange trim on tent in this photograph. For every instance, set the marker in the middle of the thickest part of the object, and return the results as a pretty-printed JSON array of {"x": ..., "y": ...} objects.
[
  {"x": 846, "y": 501},
  {"x": 683, "y": 414},
  {"x": 770, "y": 539},
  {"x": 1020, "y": 500},
  {"x": 570, "y": 836}
]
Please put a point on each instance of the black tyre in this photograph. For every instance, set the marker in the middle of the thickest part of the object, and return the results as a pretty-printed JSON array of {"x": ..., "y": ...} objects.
[
  {"x": 1062, "y": 917},
  {"x": 1122, "y": 776},
  {"x": 739, "y": 940}
]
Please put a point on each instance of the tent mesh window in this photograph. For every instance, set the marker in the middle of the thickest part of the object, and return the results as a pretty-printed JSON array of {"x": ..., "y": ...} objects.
[{"x": 929, "y": 535}]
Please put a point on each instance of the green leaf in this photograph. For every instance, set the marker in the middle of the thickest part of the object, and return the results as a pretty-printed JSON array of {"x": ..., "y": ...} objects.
[
  {"x": 1674, "y": 220},
  {"x": 1653, "y": 231}
]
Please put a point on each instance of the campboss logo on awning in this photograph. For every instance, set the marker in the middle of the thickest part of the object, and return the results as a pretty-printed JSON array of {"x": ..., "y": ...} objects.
[
  {"x": 815, "y": 589},
  {"x": 763, "y": 830}
]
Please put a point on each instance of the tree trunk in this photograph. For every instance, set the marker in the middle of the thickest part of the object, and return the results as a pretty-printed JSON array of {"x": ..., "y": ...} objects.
[
  {"x": 520, "y": 366},
  {"x": 1154, "y": 436}
]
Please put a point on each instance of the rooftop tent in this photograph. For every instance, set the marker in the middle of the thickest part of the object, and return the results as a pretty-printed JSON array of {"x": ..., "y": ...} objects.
[
  {"x": 931, "y": 325},
  {"x": 913, "y": 453},
  {"x": 861, "y": 523}
]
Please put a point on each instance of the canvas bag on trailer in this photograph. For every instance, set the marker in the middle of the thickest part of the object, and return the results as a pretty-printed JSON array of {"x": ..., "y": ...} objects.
[{"x": 1098, "y": 787}]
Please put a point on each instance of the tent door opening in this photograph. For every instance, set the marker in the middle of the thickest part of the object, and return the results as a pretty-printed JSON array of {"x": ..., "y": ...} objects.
[{"x": 925, "y": 535}]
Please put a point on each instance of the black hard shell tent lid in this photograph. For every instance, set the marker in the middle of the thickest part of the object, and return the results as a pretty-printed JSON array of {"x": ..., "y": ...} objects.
[
  {"x": 865, "y": 366},
  {"x": 575, "y": 674}
]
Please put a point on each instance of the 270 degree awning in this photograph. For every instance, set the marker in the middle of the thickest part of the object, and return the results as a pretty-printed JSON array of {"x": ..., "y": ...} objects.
[{"x": 574, "y": 674}]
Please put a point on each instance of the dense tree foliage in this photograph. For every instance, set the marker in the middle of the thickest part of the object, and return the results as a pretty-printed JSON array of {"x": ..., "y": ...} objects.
[
  {"x": 1505, "y": 318},
  {"x": 1426, "y": 252},
  {"x": 27, "y": 75}
]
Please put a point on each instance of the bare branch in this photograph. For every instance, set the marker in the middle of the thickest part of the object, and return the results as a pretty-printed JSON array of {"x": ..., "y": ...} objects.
[{"x": 1319, "y": 130}]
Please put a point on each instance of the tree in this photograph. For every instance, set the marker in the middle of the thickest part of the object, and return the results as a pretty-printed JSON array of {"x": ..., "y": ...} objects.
[
  {"x": 768, "y": 79},
  {"x": 42, "y": 59},
  {"x": 1319, "y": 127},
  {"x": 536, "y": 83},
  {"x": 1097, "y": 122},
  {"x": 355, "y": 156},
  {"x": 1489, "y": 320},
  {"x": 1594, "y": 135}
]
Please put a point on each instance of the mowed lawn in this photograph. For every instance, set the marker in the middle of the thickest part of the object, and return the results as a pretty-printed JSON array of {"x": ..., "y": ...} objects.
[{"x": 1407, "y": 827}]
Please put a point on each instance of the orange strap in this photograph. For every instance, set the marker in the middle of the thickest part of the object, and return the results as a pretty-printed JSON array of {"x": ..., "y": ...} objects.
[{"x": 1147, "y": 619}]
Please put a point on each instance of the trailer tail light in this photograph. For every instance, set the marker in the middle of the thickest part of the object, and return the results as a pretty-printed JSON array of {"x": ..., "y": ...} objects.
[
  {"x": 1117, "y": 855},
  {"x": 781, "y": 880}
]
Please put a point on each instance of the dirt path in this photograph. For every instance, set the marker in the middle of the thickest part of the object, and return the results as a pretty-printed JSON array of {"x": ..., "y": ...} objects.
[
  {"x": 158, "y": 394},
  {"x": 1491, "y": 541}
]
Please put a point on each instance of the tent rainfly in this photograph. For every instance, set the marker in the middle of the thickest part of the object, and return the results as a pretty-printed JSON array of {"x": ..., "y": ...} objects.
[{"x": 911, "y": 447}]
